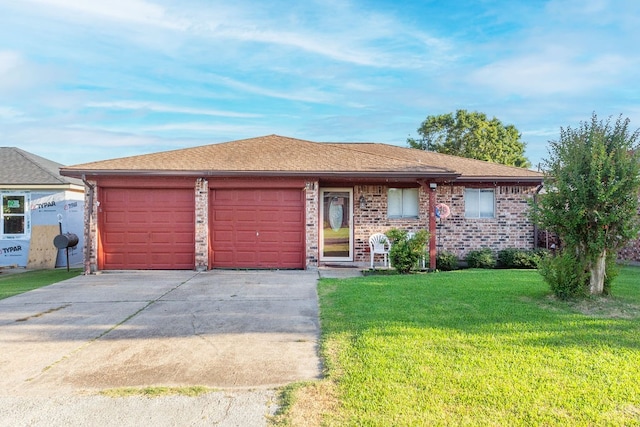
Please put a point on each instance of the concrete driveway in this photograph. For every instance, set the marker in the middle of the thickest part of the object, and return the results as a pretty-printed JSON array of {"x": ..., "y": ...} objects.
[{"x": 243, "y": 332}]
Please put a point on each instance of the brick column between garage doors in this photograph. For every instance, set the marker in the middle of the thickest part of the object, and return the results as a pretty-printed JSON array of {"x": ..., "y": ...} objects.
[
  {"x": 202, "y": 224},
  {"x": 312, "y": 233}
]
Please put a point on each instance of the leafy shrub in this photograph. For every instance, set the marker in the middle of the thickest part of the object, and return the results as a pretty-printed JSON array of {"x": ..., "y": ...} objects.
[
  {"x": 446, "y": 261},
  {"x": 406, "y": 252},
  {"x": 540, "y": 254},
  {"x": 520, "y": 258},
  {"x": 481, "y": 258},
  {"x": 566, "y": 275}
]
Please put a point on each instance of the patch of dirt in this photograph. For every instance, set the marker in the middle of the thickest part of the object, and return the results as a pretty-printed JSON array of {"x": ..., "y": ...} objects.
[
  {"x": 312, "y": 402},
  {"x": 603, "y": 307},
  {"x": 606, "y": 307}
]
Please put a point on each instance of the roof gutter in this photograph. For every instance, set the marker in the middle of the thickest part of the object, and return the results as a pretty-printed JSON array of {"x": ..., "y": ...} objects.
[
  {"x": 502, "y": 179},
  {"x": 210, "y": 173}
]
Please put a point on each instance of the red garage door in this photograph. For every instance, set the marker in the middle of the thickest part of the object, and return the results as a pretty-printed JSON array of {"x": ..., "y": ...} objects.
[
  {"x": 257, "y": 228},
  {"x": 150, "y": 229}
]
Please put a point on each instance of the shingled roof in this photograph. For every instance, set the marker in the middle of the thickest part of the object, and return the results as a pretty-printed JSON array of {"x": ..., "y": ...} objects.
[
  {"x": 275, "y": 155},
  {"x": 19, "y": 167},
  {"x": 467, "y": 169}
]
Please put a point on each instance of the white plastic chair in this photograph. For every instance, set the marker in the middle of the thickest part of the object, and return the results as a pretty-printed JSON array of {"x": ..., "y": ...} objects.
[{"x": 379, "y": 244}]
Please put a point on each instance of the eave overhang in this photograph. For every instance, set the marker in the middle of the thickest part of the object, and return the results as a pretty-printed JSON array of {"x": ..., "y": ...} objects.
[{"x": 440, "y": 175}]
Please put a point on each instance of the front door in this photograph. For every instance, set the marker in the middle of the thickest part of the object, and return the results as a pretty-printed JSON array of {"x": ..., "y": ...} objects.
[{"x": 336, "y": 216}]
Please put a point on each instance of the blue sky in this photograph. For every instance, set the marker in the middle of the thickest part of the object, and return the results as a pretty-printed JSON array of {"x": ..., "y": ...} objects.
[{"x": 85, "y": 80}]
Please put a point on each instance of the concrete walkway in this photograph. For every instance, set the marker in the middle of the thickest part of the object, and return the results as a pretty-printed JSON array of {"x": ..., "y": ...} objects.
[{"x": 243, "y": 332}]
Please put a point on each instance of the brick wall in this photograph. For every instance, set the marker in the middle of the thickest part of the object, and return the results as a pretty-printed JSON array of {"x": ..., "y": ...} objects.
[
  {"x": 91, "y": 228},
  {"x": 202, "y": 224},
  {"x": 373, "y": 218},
  {"x": 510, "y": 227},
  {"x": 312, "y": 237},
  {"x": 632, "y": 251}
]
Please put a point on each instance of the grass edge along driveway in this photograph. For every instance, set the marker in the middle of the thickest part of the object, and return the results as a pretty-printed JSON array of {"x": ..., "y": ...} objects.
[
  {"x": 17, "y": 283},
  {"x": 472, "y": 347}
]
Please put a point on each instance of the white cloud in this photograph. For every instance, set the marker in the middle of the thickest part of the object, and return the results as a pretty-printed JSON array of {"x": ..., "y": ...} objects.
[
  {"x": 157, "y": 130},
  {"x": 554, "y": 72},
  {"x": 580, "y": 9},
  {"x": 125, "y": 11},
  {"x": 16, "y": 73},
  {"x": 345, "y": 47},
  {"x": 72, "y": 146},
  {"x": 541, "y": 132},
  {"x": 11, "y": 114},
  {"x": 9, "y": 61},
  {"x": 210, "y": 128},
  {"x": 311, "y": 95},
  {"x": 23, "y": 80},
  {"x": 326, "y": 30},
  {"x": 164, "y": 108}
]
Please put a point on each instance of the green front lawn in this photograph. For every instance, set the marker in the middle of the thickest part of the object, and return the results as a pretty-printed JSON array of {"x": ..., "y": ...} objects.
[
  {"x": 476, "y": 347},
  {"x": 17, "y": 283}
]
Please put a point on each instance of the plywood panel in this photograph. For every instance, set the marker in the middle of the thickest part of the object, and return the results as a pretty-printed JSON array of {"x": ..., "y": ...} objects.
[{"x": 42, "y": 253}]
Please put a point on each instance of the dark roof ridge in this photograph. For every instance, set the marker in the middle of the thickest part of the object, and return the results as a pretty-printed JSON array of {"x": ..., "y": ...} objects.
[
  {"x": 436, "y": 153},
  {"x": 418, "y": 162},
  {"x": 35, "y": 170},
  {"x": 37, "y": 162}
]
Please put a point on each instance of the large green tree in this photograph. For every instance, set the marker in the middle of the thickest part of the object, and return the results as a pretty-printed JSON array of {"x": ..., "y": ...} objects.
[
  {"x": 591, "y": 199},
  {"x": 472, "y": 135}
]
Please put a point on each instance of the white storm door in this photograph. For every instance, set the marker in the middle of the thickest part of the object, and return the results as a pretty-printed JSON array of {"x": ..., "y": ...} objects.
[{"x": 336, "y": 218}]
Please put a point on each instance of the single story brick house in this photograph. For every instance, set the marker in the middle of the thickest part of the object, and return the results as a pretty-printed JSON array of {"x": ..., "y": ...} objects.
[
  {"x": 36, "y": 200},
  {"x": 279, "y": 202}
]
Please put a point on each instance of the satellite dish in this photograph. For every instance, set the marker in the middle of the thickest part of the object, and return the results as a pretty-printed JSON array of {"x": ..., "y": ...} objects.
[{"x": 442, "y": 211}]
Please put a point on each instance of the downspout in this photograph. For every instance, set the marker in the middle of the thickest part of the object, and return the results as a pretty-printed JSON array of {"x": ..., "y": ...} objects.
[{"x": 87, "y": 231}]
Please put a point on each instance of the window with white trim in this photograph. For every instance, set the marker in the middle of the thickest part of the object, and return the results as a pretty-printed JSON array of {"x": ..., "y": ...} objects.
[
  {"x": 402, "y": 203},
  {"x": 15, "y": 221},
  {"x": 479, "y": 203}
]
